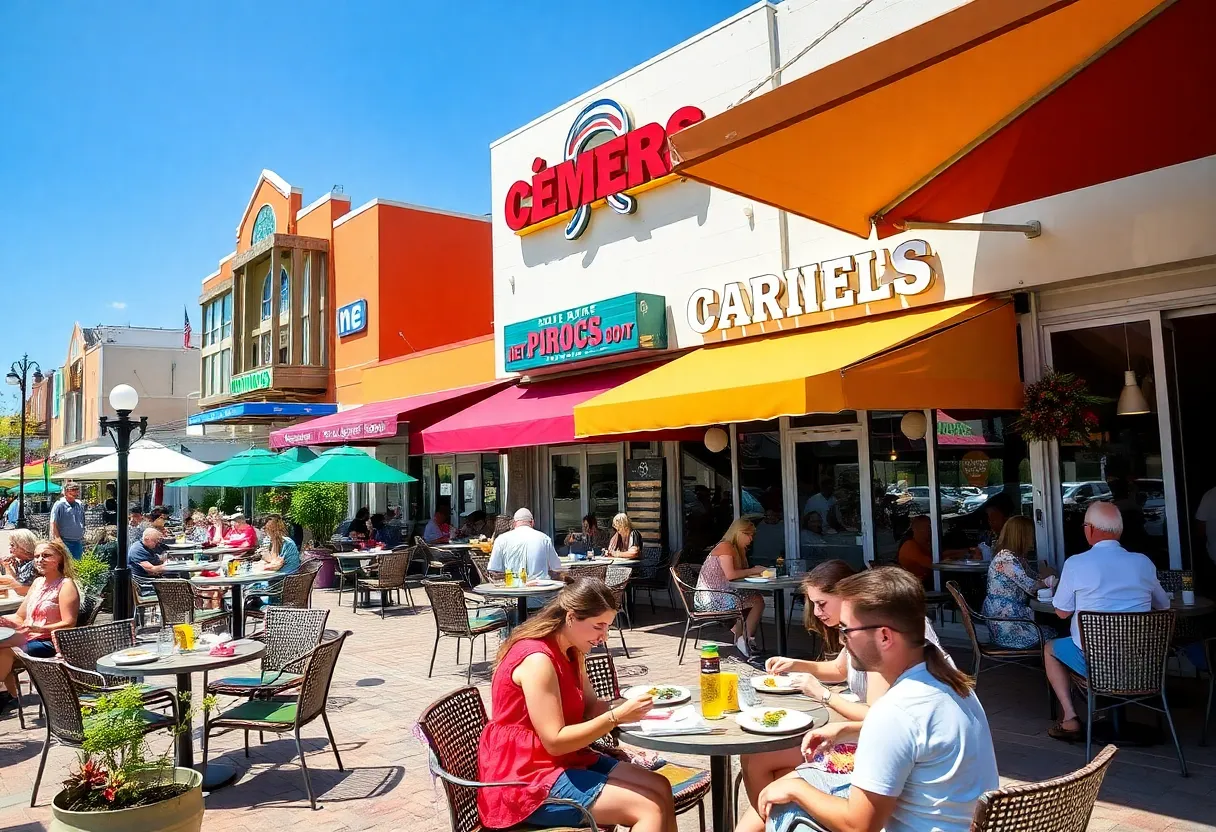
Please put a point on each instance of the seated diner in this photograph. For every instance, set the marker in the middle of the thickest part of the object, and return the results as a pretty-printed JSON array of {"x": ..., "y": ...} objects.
[
  {"x": 1011, "y": 586},
  {"x": 728, "y": 562},
  {"x": 626, "y": 541}
]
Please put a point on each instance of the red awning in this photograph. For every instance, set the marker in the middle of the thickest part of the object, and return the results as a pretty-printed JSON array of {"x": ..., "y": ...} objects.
[
  {"x": 541, "y": 413},
  {"x": 381, "y": 420}
]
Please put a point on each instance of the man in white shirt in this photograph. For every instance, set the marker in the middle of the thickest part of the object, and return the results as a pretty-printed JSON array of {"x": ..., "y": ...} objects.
[
  {"x": 924, "y": 755},
  {"x": 524, "y": 548},
  {"x": 1107, "y": 578},
  {"x": 823, "y": 502}
]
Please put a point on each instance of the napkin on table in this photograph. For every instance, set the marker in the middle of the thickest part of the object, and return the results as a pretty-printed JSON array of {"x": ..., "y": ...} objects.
[{"x": 685, "y": 720}]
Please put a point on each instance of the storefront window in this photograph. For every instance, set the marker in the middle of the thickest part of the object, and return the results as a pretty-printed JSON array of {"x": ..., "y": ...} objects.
[
  {"x": 759, "y": 468},
  {"x": 900, "y": 489},
  {"x": 708, "y": 508},
  {"x": 490, "y": 488},
  {"x": 829, "y": 506},
  {"x": 443, "y": 486},
  {"x": 603, "y": 494},
  {"x": 1123, "y": 464},
  {"x": 567, "y": 494}
]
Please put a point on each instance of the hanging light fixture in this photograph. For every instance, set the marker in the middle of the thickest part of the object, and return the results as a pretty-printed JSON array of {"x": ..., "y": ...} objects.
[
  {"x": 914, "y": 425},
  {"x": 716, "y": 440},
  {"x": 1131, "y": 400}
]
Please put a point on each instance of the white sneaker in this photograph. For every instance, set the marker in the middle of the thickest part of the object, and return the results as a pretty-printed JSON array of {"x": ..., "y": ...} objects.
[{"x": 741, "y": 646}]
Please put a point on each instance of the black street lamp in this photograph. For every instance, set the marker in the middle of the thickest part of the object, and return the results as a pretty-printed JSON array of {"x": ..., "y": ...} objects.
[
  {"x": 20, "y": 376},
  {"x": 123, "y": 399}
]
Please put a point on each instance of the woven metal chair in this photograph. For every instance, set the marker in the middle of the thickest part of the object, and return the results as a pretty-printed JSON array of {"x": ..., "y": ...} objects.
[
  {"x": 281, "y": 715},
  {"x": 294, "y": 591},
  {"x": 1171, "y": 580},
  {"x": 688, "y": 794},
  {"x": 64, "y": 721},
  {"x": 452, "y": 728},
  {"x": 141, "y": 603},
  {"x": 995, "y": 654},
  {"x": 651, "y": 575},
  {"x": 90, "y": 608},
  {"x": 1187, "y": 629},
  {"x": 685, "y": 576},
  {"x": 587, "y": 570},
  {"x": 81, "y": 647},
  {"x": 502, "y": 524},
  {"x": 1125, "y": 659},
  {"x": 1062, "y": 804},
  {"x": 390, "y": 578},
  {"x": 456, "y": 617},
  {"x": 348, "y": 571},
  {"x": 617, "y": 578},
  {"x": 180, "y": 604},
  {"x": 481, "y": 575}
]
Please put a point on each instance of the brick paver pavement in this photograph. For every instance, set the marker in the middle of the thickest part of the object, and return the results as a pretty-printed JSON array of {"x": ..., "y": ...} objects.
[{"x": 381, "y": 686}]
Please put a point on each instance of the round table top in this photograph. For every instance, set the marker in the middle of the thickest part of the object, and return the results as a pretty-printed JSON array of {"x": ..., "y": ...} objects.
[
  {"x": 1202, "y": 606},
  {"x": 733, "y": 739},
  {"x": 192, "y": 662},
  {"x": 239, "y": 578},
  {"x": 10, "y": 601},
  {"x": 173, "y": 544},
  {"x": 961, "y": 566},
  {"x": 768, "y": 584},
  {"x": 7, "y": 633},
  {"x": 454, "y": 546},
  {"x": 189, "y": 566},
  {"x": 568, "y": 562},
  {"x": 504, "y": 591}
]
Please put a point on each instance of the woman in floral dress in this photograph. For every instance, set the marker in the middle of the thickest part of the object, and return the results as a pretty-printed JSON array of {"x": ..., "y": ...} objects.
[{"x": 1011, "y": 585}]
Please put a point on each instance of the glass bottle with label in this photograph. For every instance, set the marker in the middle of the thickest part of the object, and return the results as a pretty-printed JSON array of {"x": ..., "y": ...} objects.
[{"x": 712, "y": 699}]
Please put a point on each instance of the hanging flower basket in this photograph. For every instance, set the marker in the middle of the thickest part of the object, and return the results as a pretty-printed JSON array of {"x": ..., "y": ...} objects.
[{"x": 1059, "y": 406}]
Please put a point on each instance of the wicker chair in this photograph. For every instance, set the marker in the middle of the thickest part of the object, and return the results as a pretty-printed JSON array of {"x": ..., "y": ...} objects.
[
  {"x": 294, "y": 591},
  {"x": 996, "y": 655},
  {"x": 502, "y": 524},
  {"x": 1062, "y": 804},
  {"x": 690, "y": 793},
  {"x": 481, "y": 575},
  {"x": 64, "y": 722},
  {"x": 179, "y": 604},
  {"x": 140, "y": 603},
  {"x": 617, "y": 578},
  {"x": 587, "y": 570},
  {"x": 290, "y": 634},
  {"x": 391, "y": 578},
  {"x": 349, "y": 570},
  {"x": 456, "y": 617},
  {"x": 685, "y": 576},
  {"x": 281, "y": 715},
  {"x": 452, "y": 728},
  {"x": 1171, "y": 580},
  {"x": 651, "y": 575},
  {"x": 1187, "y": 629},
  {"x": 1125, "y": 658},
  {"x": 81, "y": 647}
]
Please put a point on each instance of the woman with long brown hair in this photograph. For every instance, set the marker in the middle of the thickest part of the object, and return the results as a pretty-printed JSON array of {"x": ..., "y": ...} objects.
[
  {"x": 728, "y": 562},
  {"x": 546, "y": 715}
]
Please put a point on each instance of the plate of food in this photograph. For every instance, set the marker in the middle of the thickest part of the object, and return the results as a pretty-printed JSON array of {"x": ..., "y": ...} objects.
[
  {"x": 134, "y": 655},
  {"x": 544, "y": 583},
  {"x": 664, "y": 695},
  {"x": 753, "y": 579},
  {"x": 770, "y": 683},
  {"x": 773, "y": 721}
]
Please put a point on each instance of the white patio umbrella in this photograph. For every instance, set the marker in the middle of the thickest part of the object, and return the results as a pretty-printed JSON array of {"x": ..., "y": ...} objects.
[{"x": 147, "y": 460}]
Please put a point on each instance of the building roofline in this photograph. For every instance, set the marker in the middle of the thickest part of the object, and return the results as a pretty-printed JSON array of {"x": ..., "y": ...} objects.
[
  {"x": 409, "y": 206},
  {"x": 277, "y": 182},
  {"x": 317, "y": 203}
]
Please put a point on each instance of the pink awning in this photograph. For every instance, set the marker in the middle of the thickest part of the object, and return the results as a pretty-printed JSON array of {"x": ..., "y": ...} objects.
[
  {"x": 380, "y": 420},
  {"x": 541, "y": 413}
]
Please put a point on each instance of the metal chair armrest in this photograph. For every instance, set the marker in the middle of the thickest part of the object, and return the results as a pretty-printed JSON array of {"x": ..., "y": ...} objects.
[{"x": 101, "y": 683}]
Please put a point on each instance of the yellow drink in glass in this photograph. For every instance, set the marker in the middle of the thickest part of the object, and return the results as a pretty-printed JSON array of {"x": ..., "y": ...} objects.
[
  {"x": 509, "y": 578},
  {"x": 183, "y": 636},
  {"x": 730, "y": 684}
]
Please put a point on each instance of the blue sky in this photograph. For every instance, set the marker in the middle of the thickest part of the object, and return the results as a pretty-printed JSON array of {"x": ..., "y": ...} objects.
[{"x": 132, "y": 133}]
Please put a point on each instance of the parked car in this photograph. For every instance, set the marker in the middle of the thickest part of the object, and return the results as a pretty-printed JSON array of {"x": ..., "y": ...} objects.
[
  {"x": 976, "y": 501},
  {"x": 1081, "y": 494},
  {"x": 1150, "y": 494},
  {"x": 918, "y": 501}
]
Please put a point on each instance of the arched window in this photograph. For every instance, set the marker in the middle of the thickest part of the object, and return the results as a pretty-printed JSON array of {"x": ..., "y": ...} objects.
[
  {"x": 284, "y": 292},
  {"x": 263, "y": 225},
  {"x": 266, "y": 297}
]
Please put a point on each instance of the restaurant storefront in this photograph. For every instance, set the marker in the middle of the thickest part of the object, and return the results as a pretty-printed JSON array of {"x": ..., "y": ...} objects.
[{"x": 834, "y": 368}]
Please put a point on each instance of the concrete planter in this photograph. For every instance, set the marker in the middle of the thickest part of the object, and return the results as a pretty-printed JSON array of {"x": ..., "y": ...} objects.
[{"x": 183, "y": 813}]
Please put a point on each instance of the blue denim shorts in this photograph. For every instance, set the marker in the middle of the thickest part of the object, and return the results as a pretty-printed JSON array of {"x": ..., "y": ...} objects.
[
  {"x": 582, "y": 785},
  {"x": 40, "y": 648},
  {"x": 1067, "y": 651}
]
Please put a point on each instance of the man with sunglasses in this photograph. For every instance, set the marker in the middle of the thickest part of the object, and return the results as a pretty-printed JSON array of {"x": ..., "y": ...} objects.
[{"x": 924, "y": 754}]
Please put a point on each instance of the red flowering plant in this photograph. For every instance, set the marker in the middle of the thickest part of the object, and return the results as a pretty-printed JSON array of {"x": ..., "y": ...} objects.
[
  {"x": 1058, "y": 406},
  {"x": 115, "y": 769}
]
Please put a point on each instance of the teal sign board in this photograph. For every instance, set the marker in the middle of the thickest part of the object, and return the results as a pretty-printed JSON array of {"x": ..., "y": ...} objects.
[{"x": 608, "y": 327}]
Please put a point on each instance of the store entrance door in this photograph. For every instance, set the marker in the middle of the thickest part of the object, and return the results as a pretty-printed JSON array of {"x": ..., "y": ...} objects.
[{"x": 825, "y": 516}]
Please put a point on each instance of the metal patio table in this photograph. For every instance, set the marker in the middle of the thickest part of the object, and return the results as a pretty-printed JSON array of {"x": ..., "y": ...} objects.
[
  {"x": 236, "y": 584},
  {"x": 1202, "y": 606},
  {"x": 775, "y": 587},
  {"x": 520, "y": 593}
]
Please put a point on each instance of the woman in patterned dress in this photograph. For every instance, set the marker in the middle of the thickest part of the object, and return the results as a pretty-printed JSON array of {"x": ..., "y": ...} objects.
[
  {"x": 1011, "y": 585},
  {"x": 728, "y": 562}
]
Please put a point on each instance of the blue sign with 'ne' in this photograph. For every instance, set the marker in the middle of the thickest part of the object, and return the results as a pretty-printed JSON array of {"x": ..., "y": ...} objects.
[{"x": 352, "y": 318}]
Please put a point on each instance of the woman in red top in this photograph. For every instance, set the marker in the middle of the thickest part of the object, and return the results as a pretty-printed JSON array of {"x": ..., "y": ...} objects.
[{"x": 546, "y": 715}]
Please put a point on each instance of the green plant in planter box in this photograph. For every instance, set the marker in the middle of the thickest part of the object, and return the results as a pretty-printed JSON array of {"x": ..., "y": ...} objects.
[
  {"x": 274, "y": 501},
  {"x": 319, "y": 507},
  {"x": 93, "y": 573},
  {"x": 115, "y": 751}
]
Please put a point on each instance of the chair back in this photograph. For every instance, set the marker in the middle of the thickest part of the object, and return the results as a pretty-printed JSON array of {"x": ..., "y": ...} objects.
[
  {"x": 601, "y": 672},
  {"x": 59, "y": 697},
  {"x": 312, "y": 565},
  {"x": 177, "y": 600},
  {"x": 297, "y": 590},
  {"x": 502, "y": 524},
  {"x": 586, "y": 570},
  {"x": 1171, "y": 580},
  {"x": 452, "y": 727},
  {"x": 90, "y": 607},
  {"x": 1062, "y": 804},
  {"x": 481, "y": 565},
  {"x": 447, "y": 603},
  {"x": 685, "y": 577},
  {"x": 318, "y": 673},
  {"x": 291, "y": 632},
  {"x": 81, "y": 647},
  {"x": 650, "y": 565},
  {"x": 968, "y": 623},
  {"x": 419, "y": 561},
  {"x": 1125, "y": 652},
  {"x": 393, "y": 567}
]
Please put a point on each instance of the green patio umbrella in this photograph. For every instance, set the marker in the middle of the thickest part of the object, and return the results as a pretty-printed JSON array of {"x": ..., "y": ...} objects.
[
  {"x": 298, "y": 455},
  {"x": 344, "y": 464},
  {"x": 37, "y": 487},
  {"x": 249, "y": 469}
]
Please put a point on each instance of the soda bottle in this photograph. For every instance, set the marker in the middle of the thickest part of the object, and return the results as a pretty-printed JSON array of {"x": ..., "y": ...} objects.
[
  {"x": 523, "y": 576},
  {"x": 780, "y": 567},
  {"x": 712, "y": 698}
]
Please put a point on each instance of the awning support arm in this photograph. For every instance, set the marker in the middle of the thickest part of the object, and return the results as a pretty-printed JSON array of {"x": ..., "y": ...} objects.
[{"x": 1031, "y": 229}]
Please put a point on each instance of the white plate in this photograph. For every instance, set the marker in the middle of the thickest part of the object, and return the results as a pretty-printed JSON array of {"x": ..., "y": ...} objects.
[
  {"x": 785, "y": 684},
  {"x": 547, "y": 584},
  {"x": 755, "y": 580},
  {"x": 134, "y": 655},
  {"x": 682, "y": 694},
  {"x": 792, "y": 722}
]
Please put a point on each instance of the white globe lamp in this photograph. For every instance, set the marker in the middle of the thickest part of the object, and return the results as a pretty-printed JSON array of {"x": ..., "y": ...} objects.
[
  {"x": 914, "y": 425},
  {"x": 123, "y": 397},
  {"x": 716, "y": 440}
]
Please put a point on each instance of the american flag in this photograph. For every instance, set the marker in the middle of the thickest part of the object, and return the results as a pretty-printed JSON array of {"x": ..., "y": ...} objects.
[{"x": 186, "y": 329}]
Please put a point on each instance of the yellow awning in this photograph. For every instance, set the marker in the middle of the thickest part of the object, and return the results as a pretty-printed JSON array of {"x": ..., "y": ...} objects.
[
  {"x": 961, "y": 356},
  {"x": 846, "y": 143}
]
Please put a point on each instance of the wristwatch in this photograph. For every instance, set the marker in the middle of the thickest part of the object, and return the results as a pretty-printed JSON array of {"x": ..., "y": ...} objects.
[{"x": 827, "y": 696}]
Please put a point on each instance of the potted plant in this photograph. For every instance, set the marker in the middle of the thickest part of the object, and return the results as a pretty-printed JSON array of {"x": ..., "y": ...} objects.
[
  {"x": 117, "y": 786},
  {"x": 319, "y": 507}
]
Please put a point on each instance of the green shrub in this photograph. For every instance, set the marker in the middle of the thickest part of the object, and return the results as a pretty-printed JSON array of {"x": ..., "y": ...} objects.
[
  {"x": 274, "y": 501},
  {"x": 92, "y": 573},
  {"x": 319, "y": 507}
]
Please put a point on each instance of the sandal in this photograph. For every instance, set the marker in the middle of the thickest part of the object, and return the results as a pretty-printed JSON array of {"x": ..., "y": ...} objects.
[{"x": 1059, "y": 732}]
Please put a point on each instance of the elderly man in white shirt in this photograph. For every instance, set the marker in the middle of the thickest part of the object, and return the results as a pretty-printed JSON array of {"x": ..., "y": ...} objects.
[
  {"x": 524, "y": 548},
  {"x": 1107, "y": 578}
]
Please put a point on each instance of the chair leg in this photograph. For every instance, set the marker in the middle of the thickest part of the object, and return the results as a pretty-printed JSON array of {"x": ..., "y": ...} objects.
[
  {"x": 330, "y": 733},
  {"x": 434, "y": 653},
  {"x": 312, "y": 800},
  {"x": 472, "y": 647},
  {"x": 246, "y": 743},
  {"x": 1173, "y": 732},
  {"x": 46, "y": 747},
  {"x": 383, "y": 601},
  {"x": 620, "y": 632},
  {"x": 701, "y": 814},
  {"x": 1089, "y": 724},
  {"x": 683, "y": 641}
]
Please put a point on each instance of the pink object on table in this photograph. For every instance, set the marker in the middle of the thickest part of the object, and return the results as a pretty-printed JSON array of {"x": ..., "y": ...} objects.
[
  {"x": 222, "y": 650},
  {"x": 658, "y": 715}
]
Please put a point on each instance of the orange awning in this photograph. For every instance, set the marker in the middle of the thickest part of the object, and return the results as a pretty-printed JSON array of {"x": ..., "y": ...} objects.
[{"x": 1085, "y": 86}]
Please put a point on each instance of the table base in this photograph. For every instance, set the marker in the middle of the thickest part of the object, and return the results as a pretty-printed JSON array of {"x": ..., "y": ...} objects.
[
  {"x": 721, "y": 793},
  {"x": 218, "y": 775}
]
